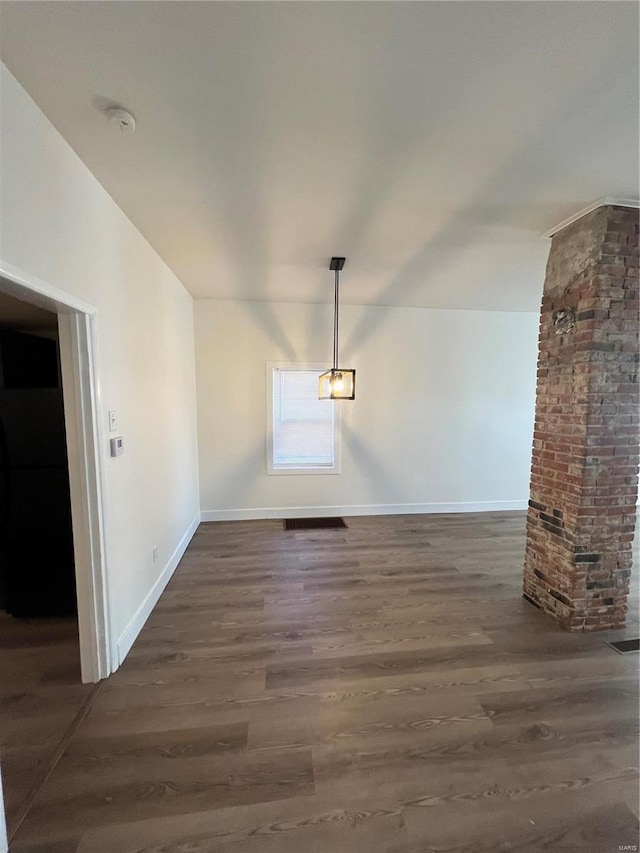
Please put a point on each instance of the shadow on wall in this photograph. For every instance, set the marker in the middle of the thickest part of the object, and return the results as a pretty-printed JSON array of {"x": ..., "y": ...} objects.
[
  {"x": 234, "y": 487},
  {"x": 384, "y": 486}
]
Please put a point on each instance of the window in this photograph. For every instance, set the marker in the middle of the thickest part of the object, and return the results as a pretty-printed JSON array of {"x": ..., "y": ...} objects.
[{"x": 302, "y": 433}]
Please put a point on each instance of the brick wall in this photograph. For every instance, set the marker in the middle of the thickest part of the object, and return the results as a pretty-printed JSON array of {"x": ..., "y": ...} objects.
[{"x": 584, "y": 471}]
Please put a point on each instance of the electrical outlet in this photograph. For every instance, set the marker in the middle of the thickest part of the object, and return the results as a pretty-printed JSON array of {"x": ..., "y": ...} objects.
[{"x": 154, "y": 553}]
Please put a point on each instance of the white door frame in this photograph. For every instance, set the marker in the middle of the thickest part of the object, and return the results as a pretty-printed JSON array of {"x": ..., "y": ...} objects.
[{"x": 77, "y": 322}]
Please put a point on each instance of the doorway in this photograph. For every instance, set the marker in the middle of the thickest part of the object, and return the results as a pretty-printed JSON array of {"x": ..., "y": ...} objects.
[
  {"x": 76, "y": 344},
  {"x": 36, "y": 540},
  {"x": 41, "y": 691},
  {"x": 54, "y": 638}
]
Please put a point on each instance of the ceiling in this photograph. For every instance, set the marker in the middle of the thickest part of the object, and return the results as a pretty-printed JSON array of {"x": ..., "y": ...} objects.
[{"x": 431, "y": 143}]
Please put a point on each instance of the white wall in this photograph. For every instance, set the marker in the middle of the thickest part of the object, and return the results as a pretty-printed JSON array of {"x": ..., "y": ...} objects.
[
  {"x": 59, "y": 224},
  {"x": 442, "y": 420}
]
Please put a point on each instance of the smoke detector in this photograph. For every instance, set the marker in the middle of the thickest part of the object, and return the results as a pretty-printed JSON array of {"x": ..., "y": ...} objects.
[{"x": 122, "y": 120}]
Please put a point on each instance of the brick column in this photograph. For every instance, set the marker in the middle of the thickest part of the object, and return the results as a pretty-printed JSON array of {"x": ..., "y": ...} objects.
[{"x": 584, "y": 470}]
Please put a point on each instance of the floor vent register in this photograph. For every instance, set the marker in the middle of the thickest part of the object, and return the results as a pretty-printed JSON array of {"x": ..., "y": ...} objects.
[{"x": 313, "y": 523}]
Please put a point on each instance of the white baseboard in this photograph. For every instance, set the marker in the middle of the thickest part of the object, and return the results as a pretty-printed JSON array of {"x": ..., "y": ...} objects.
[
  {"x": 366, "y": 509},
  {"x": 136, "y": 623}
]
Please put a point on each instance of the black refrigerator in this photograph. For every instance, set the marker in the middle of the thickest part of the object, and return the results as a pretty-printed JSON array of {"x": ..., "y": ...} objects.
[{"x": 37, "y": 575}]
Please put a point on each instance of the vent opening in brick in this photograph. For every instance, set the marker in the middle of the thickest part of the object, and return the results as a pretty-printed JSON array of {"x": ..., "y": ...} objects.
[{"x": 313, "y": 523}]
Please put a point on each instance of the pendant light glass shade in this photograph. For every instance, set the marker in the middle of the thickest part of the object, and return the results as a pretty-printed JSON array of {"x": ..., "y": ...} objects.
[{"x": 338, "y": 383}]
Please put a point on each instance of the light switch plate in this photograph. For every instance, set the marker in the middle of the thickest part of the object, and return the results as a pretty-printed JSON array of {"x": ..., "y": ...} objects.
[{"x": 112, "y": 421}]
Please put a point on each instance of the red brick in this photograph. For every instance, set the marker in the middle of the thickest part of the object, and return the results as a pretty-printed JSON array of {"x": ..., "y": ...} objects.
[{"x": 585, "y": 448}]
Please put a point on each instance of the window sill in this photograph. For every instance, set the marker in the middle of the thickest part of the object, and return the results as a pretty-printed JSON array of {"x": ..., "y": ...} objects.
[{"x": 296, "y": 472}]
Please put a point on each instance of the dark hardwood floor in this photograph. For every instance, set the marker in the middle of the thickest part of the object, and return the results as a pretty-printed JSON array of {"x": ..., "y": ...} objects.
[
  {"x": 380, "y": 688},
  {"x": 40, "y": 697}
]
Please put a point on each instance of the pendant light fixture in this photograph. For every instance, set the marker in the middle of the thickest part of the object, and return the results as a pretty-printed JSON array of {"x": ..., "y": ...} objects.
[{"x": 339, "y": 383}]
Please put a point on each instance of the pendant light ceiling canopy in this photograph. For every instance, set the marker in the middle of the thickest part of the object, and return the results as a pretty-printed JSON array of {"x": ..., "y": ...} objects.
[{"x": 338, "y": 383}]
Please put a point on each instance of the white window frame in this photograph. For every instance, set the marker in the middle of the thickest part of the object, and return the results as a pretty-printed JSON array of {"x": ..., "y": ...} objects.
[{"x": 298, "y": 470}]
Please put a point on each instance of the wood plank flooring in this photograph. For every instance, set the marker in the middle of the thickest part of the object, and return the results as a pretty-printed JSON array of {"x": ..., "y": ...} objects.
[
  {"x": 40, "y": 696},
  {"x": 383, "y": 688}
]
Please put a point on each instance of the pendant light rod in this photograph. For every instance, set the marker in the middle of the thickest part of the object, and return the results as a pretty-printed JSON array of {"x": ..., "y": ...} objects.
[
  {"x": 336, "y": 265},
  {"x": 337, "y": 383},
  {"x": 335, "y": 321}
]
